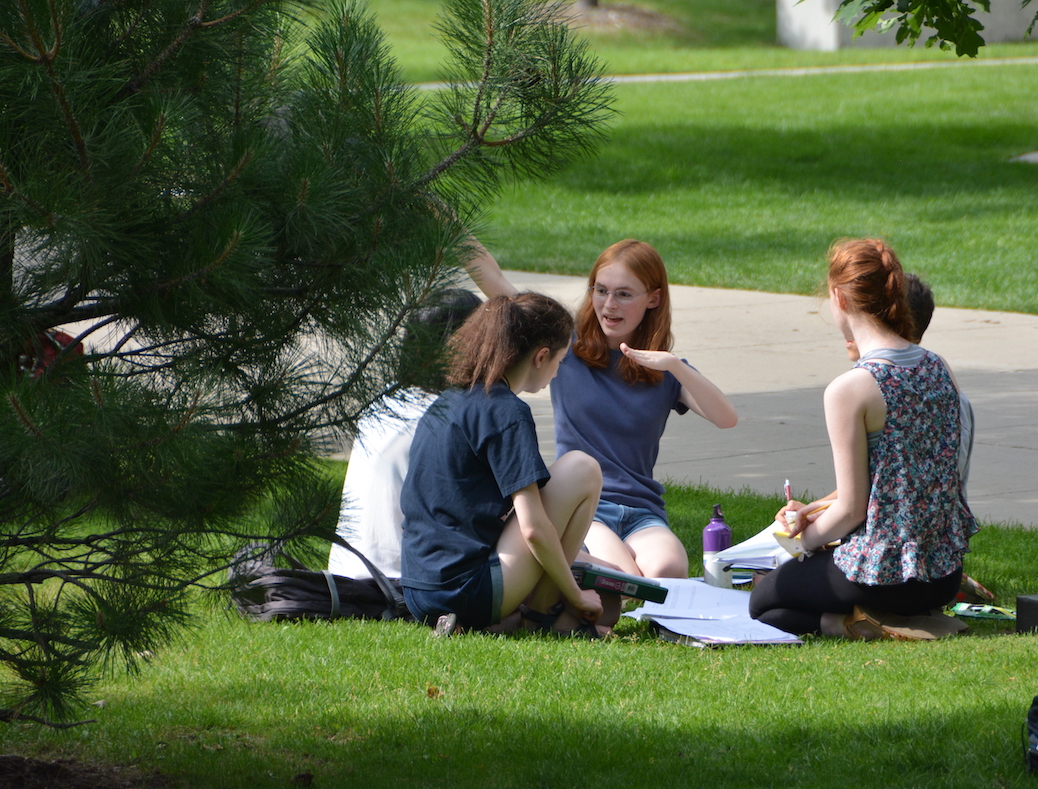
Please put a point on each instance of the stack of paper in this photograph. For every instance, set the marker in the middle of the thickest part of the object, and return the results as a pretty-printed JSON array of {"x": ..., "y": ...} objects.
[
  {"x": 760, "y": 552},
  {"x": 700, "y": 615}
]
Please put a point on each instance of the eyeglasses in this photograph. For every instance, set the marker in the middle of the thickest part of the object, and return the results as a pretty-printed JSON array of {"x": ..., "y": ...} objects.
[{"x": 598, "y": 293}]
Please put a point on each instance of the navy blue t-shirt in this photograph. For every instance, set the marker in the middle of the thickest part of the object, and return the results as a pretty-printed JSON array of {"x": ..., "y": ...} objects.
[
  {"x": 472, "y": 450},
  {"x": 618, "y": 424}
]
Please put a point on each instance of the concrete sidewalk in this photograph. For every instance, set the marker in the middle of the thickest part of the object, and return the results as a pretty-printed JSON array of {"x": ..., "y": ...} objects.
[{"x": 773, "y": 355}]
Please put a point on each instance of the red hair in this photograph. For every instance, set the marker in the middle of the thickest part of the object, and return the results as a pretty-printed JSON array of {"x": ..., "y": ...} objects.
[
  {"x": 652, "y": 334},
  {"x": 869, "y": 276}
]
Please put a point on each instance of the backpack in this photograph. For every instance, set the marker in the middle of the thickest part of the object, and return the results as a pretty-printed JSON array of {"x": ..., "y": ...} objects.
[{"x": 262, "y": 592}]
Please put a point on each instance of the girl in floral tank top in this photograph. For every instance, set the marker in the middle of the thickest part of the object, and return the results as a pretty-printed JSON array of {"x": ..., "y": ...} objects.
[
  {"x": 918, "y": 525},
  {"x": 899, "y": 512}
]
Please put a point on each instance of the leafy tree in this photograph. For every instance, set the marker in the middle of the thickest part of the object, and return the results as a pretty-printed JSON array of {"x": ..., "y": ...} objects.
[
  {"x": 951, "y": 21},
  {"x": 215, "y": 215}
]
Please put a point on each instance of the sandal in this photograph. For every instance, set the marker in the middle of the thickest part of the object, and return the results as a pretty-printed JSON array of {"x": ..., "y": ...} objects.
[
  {"x": 543, "y": 621},
  {"x": 585, "y": 630},
  {"x": 868, "y": 625},
  {"x": 858, "y": 627}
]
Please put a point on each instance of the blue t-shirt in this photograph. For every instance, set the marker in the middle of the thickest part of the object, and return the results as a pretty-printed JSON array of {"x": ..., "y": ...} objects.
[
  {"x": 472, "y": 450},
  {"x": 617, "y": 423}
]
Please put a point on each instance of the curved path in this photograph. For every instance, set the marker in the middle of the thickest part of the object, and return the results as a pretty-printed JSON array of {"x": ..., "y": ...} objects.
[{"x": 773, "y": 354}]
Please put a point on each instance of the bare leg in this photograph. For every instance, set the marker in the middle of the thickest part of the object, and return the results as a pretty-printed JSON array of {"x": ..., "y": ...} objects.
[
  {"x": 508, "y": 624},
  {"x": 658, "y": 553},
  {"x": 604, "y": 543},
  {"x": 569, "y": 499}
]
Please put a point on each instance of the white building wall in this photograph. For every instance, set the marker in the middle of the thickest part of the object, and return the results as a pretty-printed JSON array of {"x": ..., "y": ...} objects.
[{"x": 809, "y": 25}]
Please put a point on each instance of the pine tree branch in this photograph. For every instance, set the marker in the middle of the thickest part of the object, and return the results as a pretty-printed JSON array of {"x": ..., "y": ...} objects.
[
  {"x": 23, "y": 415},
  {"x": 54, "y": 314},
  {"x": 488, "y": 60},
  {"x": 11, "y": 191},
  {"x": 474, "y": 138},
  {"x": 38, "y": 635},
  {"x": 189, "y": 413},
  {"x": 25, "y": 635},
  {"x": 233, "y": 15},
  {"x": 156, "y": 138},
  {"x": 41, "y": 574},
  {"x": 202, "y": 273},
  {"x": 488, "y": 121},
  {"x": 46, "y": 56},
  {"x": 446, "y": 163},
  {"x": 13, "y": 716},
  {"x": 6, "y": 258},
  {"x": 374, "y": 352},
  {"x": 132, "y": 27},
  {"x": 82, "y": 336},
  {"x": 194, "y": 23},
  {"x": 205, "y": 200}
]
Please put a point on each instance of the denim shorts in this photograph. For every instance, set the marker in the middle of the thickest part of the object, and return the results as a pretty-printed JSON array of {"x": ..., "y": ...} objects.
[
  {"x": 625, "y": 521},
  {"x": 477, "y": 602}
]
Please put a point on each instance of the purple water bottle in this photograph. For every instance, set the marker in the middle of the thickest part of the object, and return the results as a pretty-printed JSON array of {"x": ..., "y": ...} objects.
[{"x": 716, "y": 537}]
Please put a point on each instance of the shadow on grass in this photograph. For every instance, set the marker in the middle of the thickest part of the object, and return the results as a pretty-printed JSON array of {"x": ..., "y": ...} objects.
[
  {"x": 758, "y": 745},
  {"x": 917, "y": 160},
  {"x": 755, "y": 203}
]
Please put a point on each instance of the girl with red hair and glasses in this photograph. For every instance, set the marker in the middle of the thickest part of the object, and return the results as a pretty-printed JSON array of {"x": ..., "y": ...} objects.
[{"x": 612, "y": 397}]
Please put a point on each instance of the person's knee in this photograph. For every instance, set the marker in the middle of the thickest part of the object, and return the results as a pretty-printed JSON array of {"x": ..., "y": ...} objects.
[
  {"x": 768, "y": 616},
  {"x": 672, "y": 564},
  {"x": 763, "y": 596},
  {"x": 579, "y": 467},
  {"x": 757, "y": 608}
]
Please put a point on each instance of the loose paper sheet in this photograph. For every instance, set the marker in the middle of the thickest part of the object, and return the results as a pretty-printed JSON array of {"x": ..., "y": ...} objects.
[{"x": 710, "y": 614}]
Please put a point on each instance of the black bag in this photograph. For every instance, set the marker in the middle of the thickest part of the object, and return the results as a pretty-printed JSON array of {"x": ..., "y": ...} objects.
[{"x": 262, "y": 592}]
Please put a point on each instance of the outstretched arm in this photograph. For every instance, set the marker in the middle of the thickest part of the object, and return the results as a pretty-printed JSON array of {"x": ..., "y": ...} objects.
[
  {"x": 484, "y": 270},
  {"x": 697, "y": 392}
]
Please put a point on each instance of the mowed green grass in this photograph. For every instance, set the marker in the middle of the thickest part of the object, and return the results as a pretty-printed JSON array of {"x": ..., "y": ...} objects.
[
  {"x": 384, "y": 704},
  {"x": 744, "y": 183},
  {"x": 350, "y": 703}
]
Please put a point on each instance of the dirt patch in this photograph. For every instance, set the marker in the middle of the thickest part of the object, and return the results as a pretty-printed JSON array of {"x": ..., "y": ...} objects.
[
  {"x": 18, "y": 772},
  {"x": 617, "y": 16}
]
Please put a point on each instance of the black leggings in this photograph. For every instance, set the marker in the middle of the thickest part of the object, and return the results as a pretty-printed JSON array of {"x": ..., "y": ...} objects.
[{"x": 794, "y": 596}]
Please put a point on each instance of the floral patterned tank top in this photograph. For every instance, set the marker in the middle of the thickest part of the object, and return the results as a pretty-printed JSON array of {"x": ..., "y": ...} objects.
[{"x": 917, "y": 524}]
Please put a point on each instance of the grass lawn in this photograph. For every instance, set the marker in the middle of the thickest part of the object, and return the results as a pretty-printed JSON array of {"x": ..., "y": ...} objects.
[
  {"x": 744, "y": 183},
  {"x": 383, "y": 704}
]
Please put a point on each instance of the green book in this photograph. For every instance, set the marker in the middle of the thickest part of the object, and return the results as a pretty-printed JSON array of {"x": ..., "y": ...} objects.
[{"x": 602, "y": 579}]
